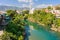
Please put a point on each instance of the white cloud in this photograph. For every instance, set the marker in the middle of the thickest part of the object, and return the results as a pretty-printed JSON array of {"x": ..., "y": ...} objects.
[
  {"x": 43, "y": 5},
  {"x": 7, "y": 5},
  {"x": 25, "y": 5},
  {"x": 26, "y": 1},
  {"x": 31, "y": 2},
  {"x": 23, "y": 0}
]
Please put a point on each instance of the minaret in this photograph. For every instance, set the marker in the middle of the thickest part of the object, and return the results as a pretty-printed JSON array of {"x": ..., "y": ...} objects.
[{"x": 30, "y": 6}]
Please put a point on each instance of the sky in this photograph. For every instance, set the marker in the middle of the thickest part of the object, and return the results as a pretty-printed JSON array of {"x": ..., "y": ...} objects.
[{"x": 26, "y": 3}]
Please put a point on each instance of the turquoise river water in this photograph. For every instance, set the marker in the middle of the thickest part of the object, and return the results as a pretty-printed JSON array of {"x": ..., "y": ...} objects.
[{"x": 36, "y": 32}]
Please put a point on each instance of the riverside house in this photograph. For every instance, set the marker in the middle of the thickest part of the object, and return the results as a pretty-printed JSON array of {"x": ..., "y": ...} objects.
[{"x": 54, "y": 11}]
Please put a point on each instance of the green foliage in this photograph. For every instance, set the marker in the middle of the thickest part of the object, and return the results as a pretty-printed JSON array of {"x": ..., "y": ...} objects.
[
  {"x": 5, "y": 36},
  {"x": 20, "y": 38},
  {"x": 11, "y": 13},
  {"x": 57, "y": 22},
  {"x": 25, "y": 12},
  {"x": 50, "y": 8},
  {"x": 43, "y": 17},
  {"x": 16, "y": 27}
]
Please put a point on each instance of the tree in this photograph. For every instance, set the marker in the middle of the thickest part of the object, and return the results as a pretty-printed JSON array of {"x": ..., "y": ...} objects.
[
  {"x": 57, "y": 22},
  {"x": 49, "y": 8},
  {"x": 15, "y": 28},
  {"x": 24, "y": 12},
  {"x": 42, "y": 17},
  {"x": 11, "y": 13}
]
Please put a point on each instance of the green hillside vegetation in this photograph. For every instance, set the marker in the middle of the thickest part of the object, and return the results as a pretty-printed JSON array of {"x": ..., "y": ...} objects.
[{"x": 14, "y": 30}]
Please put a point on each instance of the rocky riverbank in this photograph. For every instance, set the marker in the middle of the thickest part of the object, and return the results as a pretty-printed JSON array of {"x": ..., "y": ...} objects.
[{"x": 55, "y": 29}]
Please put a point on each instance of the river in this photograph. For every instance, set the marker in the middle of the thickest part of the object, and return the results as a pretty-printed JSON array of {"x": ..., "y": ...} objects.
[{"x": 36, "y": 33}]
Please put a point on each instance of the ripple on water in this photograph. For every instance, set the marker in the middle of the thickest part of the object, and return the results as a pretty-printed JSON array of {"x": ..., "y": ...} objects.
[{"x": 36, "y": 35}]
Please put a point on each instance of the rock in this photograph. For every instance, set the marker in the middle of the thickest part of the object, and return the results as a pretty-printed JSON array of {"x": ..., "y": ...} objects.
[
  {"x": 31, "y": 27},
  {"x": 54, "y": 29},
  {"x": 58, "y": 29},
  {"x": 1, "y": 32}
]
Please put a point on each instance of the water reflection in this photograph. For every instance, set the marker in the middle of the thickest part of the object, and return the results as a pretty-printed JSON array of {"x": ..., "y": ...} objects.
[
  {"x": 39, "y": 33},
  {"x": 27, "y": 32}
]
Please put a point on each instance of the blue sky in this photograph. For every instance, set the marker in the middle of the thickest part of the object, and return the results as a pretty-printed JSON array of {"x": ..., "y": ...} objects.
[{"x": 25, "y": 3}]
